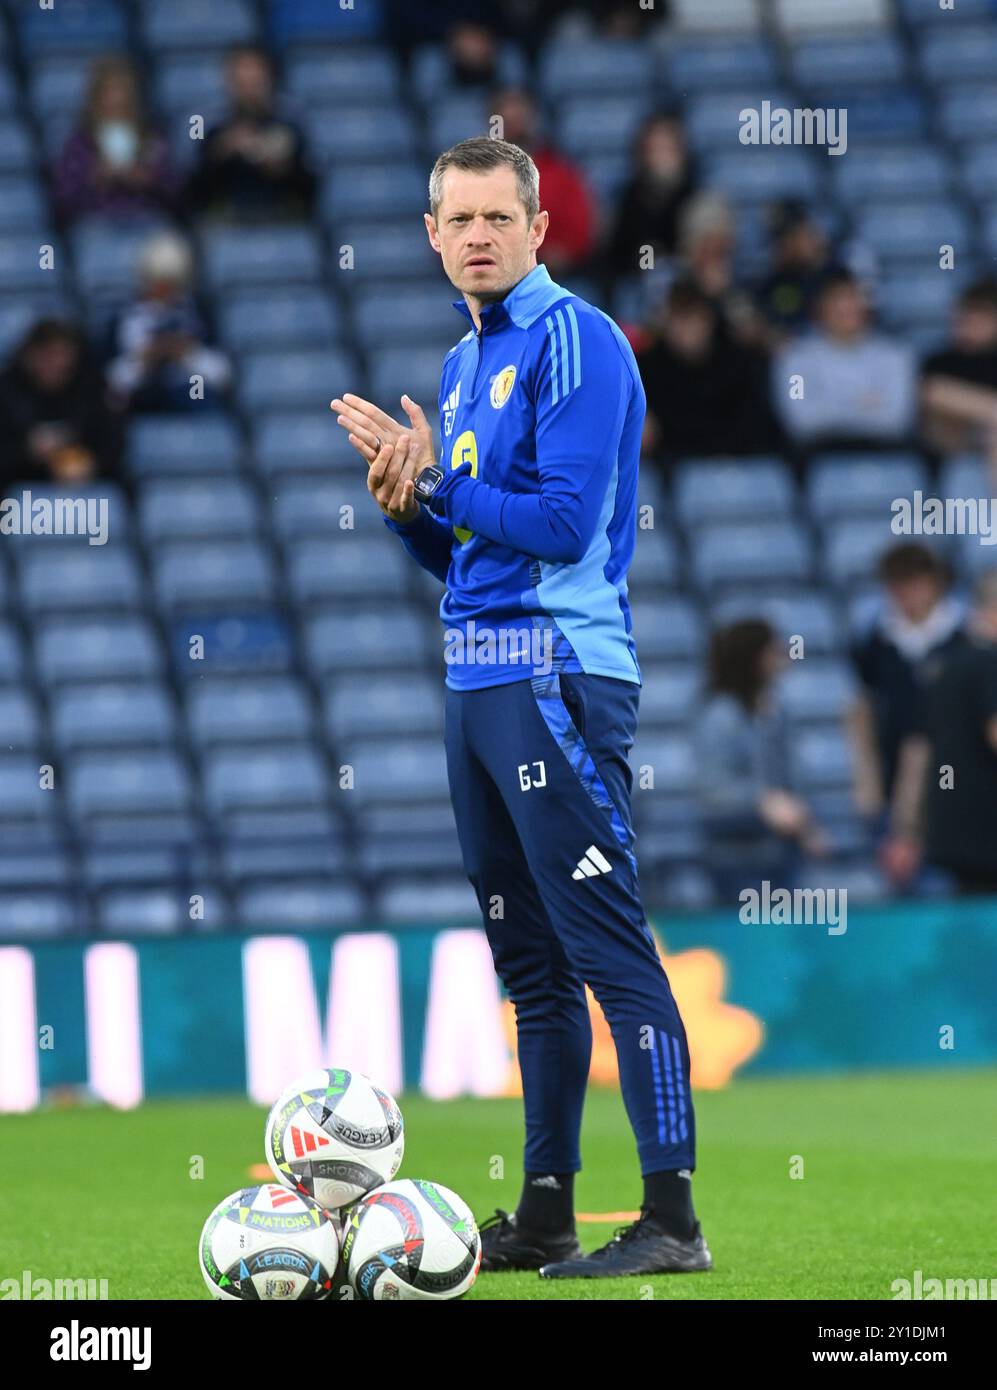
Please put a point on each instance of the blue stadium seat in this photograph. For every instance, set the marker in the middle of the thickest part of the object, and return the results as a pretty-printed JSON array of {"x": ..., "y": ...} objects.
[
  {"x": 912, "y": 171},
  {"x": 308, "y": 21},
  {"x": 591, "y": 67},
  {"x": 413, "y": 369},
  {"x": 834, "y": 63},
  {"x": 402, "y": 769},
  {"x": 414, "y": 311},
  {"x": 37, "y": 915},
  {"x": 324, "y": 506},
  {"x": 176, "y": 865},
  {"x": 289, "y": 380},
  {"x": 112, "y": 716},
  {"x": 106, "y": 255},
  {"x": 840, "y": 484},
  {"x": 967, "y": 112},
  {"x": 655, "y": 564},
  {"x": 916, "y": 12},
  {"x": 670, "y": 629},
  {"x": 852, "y": 547},
  {"x": 81, "y": 578},
  {"x": 246, "y": 859},
  {"x": 353, "y": 135},
  {"x": 958, "y": 53},
  {"x": 794, "y": 17},
  {"x": 19, "y": 718},
  {"x": 234, "y": 256},
  {"x": 412, "y": 855},
  {"x": 172, "y": 24},
  {"x": 813, "y": 689},
  {"x": 10, "y": 97},
  {"x": 169, "y": 444},
  {"x": 73, "y": 26},
  {"x": 269, "y": 709},
  {"x": 347, "y": 569},
  {"x": 965, "y": 475},
  {"x": 812, "y": 616},
  {"x": 763, "y": 553},
  {"x": 11, "y": 652},
  {"x": 385, "y": 191},
  {"x": 754, "y": 173},
  {"x": 96, "y": 649},
  {"x": 365, "y": 641},
  {"x": 24, "y": 207},
  {"x": 711, "y": 490},
  {"x": 57, "y": 87},
  {"x": 158, "y": 911},
  {"x": 455, "y": 116},
  {"x": 263, "y": 778},
  {"x": 670, "y": 693},
  {"x": 603, "y": 124},
  {"x": 236, "y": 643},
  {"x": 278, "y": 319},
  {"x": 22, "y": 797},
  {"x": 671, "y": 758},
  {"x": 361, "y": 706},
  {"x": 286, "y": 442},
  {"x": 20, "y": 272},
  {"x": 918, "y": 296},
  {"x": 885, "y": 113},
  {"x": 123, "y": 784},
  {"x": 821, "y": 757},
  {"x": 191, "y": 84},
  {"x": 914, "y": 230},
  {"x": 224, "y": 574},
  {"x": 389, "y": 251},
  {"x": 182, "y": 509},
  {"x": 712, "y": 119},
  {"x": 314, "y": 903},
  {"x": 429, "y": 899},
  {"x": 344, "y": 75},
  {"x": 708, "y": 64},
  {"x": 42, "y": 868}
]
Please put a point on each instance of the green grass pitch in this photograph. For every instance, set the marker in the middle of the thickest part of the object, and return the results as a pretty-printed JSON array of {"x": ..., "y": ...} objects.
[{"x": 898, "y": 1176}]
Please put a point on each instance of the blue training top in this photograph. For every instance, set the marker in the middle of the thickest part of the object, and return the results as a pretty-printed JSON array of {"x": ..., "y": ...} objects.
[{"x": 533, "y": 528}]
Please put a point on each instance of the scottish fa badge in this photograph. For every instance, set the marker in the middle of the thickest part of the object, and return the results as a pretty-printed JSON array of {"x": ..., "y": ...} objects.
[{"x": 502, "y": 386}]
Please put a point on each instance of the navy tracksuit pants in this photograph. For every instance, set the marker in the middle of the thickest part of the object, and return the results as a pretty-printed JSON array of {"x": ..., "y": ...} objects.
[{"x": 541, "y": 791}]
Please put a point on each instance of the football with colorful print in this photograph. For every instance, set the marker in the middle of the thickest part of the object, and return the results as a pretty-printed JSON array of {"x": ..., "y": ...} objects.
[
  {"x": 266, "y": 1244},
  {"x": 333, "y": 1135},
  {"x": 410, "y": 1240}
]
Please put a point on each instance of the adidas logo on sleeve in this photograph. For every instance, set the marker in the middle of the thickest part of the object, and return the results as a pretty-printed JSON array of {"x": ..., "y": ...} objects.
[{"x": 592, "y": 863}]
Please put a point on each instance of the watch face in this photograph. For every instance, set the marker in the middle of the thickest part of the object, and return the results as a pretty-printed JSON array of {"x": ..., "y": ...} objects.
[{"x": 428, "y": 481}]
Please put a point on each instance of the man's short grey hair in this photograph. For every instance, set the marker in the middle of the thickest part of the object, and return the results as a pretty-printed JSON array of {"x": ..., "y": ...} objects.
[{"x": 477, "y": 156}]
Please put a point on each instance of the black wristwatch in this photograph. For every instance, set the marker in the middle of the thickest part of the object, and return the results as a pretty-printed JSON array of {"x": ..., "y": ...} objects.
[{"x": 427, "y": 482}]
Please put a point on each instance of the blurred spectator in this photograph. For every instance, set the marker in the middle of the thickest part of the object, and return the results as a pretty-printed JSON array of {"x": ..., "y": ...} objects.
[
  {"x": 253, "y": 164},
  {"x": 706, "y": 394},
  {"x": 649, "y": 204},
  {"x": 472, "y": 52},
  {"x": 960, "y": 812},
  {"x": 917, "y": 626},
  {"x": 844, "y": 386},
  {"x": 115, "y": 164},
  {"x": 802, "y": 263},
  {"x": 757, "y": 825},
  {"x": 959, "y": 383},
  {"x": 55, "y": 422},
  {"x": 563, "y": 191},
  {"x": 160, "y": 340},
  {"x": 707, "y": 241}
]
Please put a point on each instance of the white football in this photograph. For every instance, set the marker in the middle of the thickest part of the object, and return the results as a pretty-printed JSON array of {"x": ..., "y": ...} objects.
[
  {"x": 411, "y": 1239},
  {"x": 267, "y": 1244},
  {"x": 333, "y": 1135}
]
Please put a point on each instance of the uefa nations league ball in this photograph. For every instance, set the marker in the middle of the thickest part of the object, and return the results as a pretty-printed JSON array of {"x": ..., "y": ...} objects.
[
  {"x": 266, "y": 1243},
  {"x": 411, "y": 1240},
  {"x": 333, "y": 1135}
]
